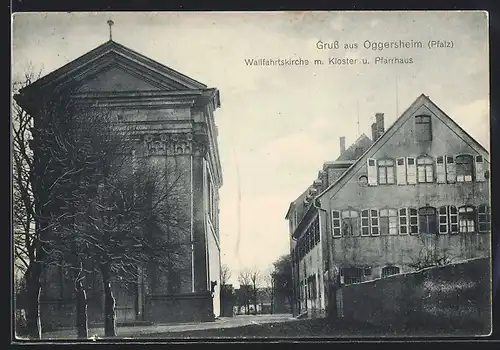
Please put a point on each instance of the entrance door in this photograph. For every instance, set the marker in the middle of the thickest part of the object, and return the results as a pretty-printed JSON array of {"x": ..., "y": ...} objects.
[{"x": 126, "y": 301}]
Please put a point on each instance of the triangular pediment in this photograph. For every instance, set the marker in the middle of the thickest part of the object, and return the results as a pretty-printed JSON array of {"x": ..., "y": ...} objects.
[
  {"x": 117, "y": 79},
  {"x": 114, "y": 67}
]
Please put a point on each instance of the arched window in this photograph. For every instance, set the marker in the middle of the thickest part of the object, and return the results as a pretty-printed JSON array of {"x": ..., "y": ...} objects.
[
  {"x": 385, "y": 171},
  {"x": 352, "y": 275},
  {"x": 467, "y": 219},
  {"x": 427, "y": 220},
  {"x": 425, "y": 169},
  {"x": 464, "y": 167},
  {"x": 484, "y": 218},
  {"x": 389, "y": 271}
]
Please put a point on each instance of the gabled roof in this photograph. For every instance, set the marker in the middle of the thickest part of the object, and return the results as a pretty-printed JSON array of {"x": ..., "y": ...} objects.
[
  {"x": 345, "y": 160},
  {"x": 420, "y": 101},
  {"x": 112, "y": 54},
  {"x": 355, "y": 150}
]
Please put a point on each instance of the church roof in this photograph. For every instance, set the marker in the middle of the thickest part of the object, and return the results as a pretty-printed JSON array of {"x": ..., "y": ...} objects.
[{"x": 112, "y": 54}]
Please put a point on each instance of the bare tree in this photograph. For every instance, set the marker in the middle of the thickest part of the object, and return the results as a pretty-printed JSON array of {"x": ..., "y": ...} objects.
[
  {"x": 245, "y": 281},
  {"x": 268, "y": 280},
  {"x": 225, "y": 274},
  {"x": 255, "y": 277},
  {"x": 27, "y": 242},
  {"x": 101, "y": 216}
]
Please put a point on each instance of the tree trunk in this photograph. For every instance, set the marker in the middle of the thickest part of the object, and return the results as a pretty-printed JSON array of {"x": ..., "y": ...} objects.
[
  {"x": 81, "y": 312},
  {"x": 255, "y": 298},
  {"x": 33, "y": 291},
  {"x": 272, "y": 297},
  {"x": 109, "y": 303}
]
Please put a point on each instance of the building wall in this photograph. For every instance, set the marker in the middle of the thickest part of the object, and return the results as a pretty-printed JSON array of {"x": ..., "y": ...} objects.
[
  {"x": 214, "y": 269},
  {"x": 310, "y": 296},
  {"x": 453, "y": 297},
  {"x": 190, "y": 299},
  {"x": 402, "y": 250}
]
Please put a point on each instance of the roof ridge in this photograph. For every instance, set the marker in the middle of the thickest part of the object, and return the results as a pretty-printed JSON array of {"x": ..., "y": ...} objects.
[{"x": 102, "y": 50}]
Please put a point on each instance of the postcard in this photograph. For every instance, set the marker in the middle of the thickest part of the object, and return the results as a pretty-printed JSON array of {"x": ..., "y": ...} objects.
[{"x": 277, "y": 175}]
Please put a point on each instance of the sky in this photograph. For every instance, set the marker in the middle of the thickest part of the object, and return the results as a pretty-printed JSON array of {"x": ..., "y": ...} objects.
[{"x": 279, "y": 124}]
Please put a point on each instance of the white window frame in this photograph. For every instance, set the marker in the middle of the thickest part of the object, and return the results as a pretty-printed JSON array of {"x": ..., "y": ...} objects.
[
  {"x": 451, "y": 169},
  {"x": 336, "y": 227},
  {"x": 427, "y": 164},
  {"x": 470, "y": 227},
  {"x": 392, "y": 218},
  {"x": 367, "y": 217},
  {"x": 453, "y": 215},
  {"x": 385, "y": 166},
  {"x": 372, "y": 225},
  {"x": 401, "y": 171},
  {"x": 372, "y": 171},
  {"x": 401, "y": 225},
  {"x": 443, "y": 227},
  {"x": 411, "y": 171},
  {"x": 440, "y": 170},
  {"x": 410, "y": 225},
  {"x": 352, "y": 218}
]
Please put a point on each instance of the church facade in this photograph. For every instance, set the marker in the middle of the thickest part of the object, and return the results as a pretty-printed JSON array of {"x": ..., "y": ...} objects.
[{"x": 173, "y": 118}]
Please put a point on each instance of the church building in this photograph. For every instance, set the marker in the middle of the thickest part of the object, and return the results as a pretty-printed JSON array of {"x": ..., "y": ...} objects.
[{"x": 174, "y": 118}]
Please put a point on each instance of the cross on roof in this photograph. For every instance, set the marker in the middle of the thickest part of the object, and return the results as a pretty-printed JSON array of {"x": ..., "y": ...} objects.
[{"x": 110, "y": 23}]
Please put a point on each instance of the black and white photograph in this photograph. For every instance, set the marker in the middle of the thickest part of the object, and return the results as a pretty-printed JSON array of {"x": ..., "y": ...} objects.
[{"x": 250, "y": 175}]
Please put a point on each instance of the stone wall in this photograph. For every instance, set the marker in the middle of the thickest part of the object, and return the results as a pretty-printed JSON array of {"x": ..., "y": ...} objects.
[
  {"x": 454, "y": 297},
  {"x": 190, "y": 307}
]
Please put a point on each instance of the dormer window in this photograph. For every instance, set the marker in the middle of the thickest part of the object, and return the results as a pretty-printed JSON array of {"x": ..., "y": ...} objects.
[{"x": 423, "y": 129}]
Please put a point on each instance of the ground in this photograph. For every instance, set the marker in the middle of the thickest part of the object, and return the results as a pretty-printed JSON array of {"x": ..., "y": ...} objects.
[
  {"x": 257, "y": 326},
  {"x": 172, "y": 330}
]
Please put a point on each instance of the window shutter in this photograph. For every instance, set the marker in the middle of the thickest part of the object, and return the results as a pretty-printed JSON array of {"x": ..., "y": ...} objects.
[
  {"x": 440, "y": 170},
  {"x": 372, "y": 171},
  {"x": 443, "y": 220},
  {"x": 403, "y": 221},
  {"x": 479, "y": 168},
  {"x": 401, "y": 171},
  {"x": 411, "y": 170},
  {"x": 374, "y": 222},
  {"x": 451, "y": 170},
  {"x": 336, "y": 224}
]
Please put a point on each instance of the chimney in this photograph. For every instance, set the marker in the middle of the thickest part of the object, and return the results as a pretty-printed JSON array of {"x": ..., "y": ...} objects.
[
  {"x": 379, "y": 120},
  {"x": 374, "y": 132},
  {"x": 342, "y": 144}
]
